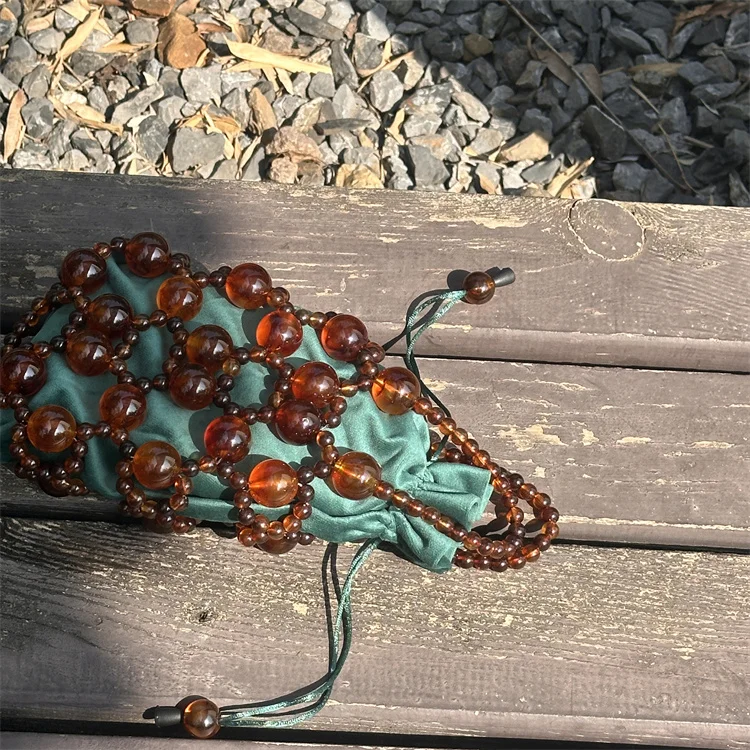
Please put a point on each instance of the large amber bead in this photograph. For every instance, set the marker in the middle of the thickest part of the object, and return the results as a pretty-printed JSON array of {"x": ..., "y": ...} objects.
[
  {"x": 192, "y": 386},
  {"x": 277, "y": 546},
  {"x": 180, "y": 297},
  {"x": 355, "y": 475},
  {"x": 273, "y": 483},
  {"x": 51, "y": 428},
  {"x": 156, "y": 464},
  {"x": 343, "y": 337},
  {"x": 109, "y": 314},
  {"x": 297, "y": 422},
  {"x": 227, "y": 437},
  {"x": 480, "y": 288},
  {"x": 209, "y": 346},
  {"x": 201, "y": 718},
  {"x": 83, "y": 268},
  {"x": 247, "y": 286},
  {"x": 22, "y": 372},
  {"x": 395, "y": 390},
  {"x": 279, "y": 332},
  {"x": 315, "y": 382},
  {"x": 123, "y": 405},
  {"x": 147, "y": 255},
  {"x": 88, "y": 353}
]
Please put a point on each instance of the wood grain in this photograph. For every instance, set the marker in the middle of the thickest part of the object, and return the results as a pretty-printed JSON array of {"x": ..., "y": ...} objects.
[
  {"x": 634, "y": 456},
  {"x": 590, "y": 644},
  {"x": 598, "y": 282}
]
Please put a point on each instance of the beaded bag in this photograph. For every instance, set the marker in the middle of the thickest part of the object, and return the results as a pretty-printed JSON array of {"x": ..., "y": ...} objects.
[{"x": 208, "y": 397}]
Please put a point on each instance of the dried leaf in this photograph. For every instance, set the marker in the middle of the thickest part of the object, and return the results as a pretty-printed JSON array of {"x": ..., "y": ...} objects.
[
  {"x": 486, "y": 184},
  {"x": 33, "y": 24},
  {"x": 211, "y": 28},
  {"x": 75, "y": 41},
  {"x": 724, "y": 9},
  {"x": 262, "y": 116},
  {"x": 225, "y": 124},
  {"x": 667, "y": 69},
  {"x": 14, "y": 127},
  {"x": 590, "y": 74},
  {"x": 388, "y": 66},
  {"x": 237, "y": 28},
  {"x": 248, "y": 153},
  {"x": 179, "y": 44},
  {"x": 188, "y": 7},
  {"x": 563, "y": 179},
  {"x": 119, "y": 46},
  {"x": 253, "y": 53},
  {"x": 285, "y": 80},
  {"x": 86, "y": 112},
  {"x": 556, "y": 66},
  {"x": 67, "y": 112},
  {"x": 395, "y": 127},
  {"x": 384, "y": 60}
]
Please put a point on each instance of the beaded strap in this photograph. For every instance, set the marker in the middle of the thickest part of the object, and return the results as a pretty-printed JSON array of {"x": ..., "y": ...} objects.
[{"x": 200, "y": 370}]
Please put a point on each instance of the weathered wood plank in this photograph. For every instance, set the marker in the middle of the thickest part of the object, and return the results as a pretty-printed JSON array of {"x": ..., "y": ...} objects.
[
  {"x": 636, "y": 456},
  {"x": 599, "y": 282},
  {"x": 103, "y": 621}
]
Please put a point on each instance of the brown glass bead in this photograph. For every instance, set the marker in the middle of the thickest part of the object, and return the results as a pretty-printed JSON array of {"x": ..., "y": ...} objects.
[
  {"x": 51, "y": 428},
  {"x": 315, "y": 382},
  {"x": 180, "y": 297},
  {"x": 279, "y": 332},
  {"x": 297, "y": 422},
  {"x": 22, "y": 372},
  {"x": 227, "y": 438},
  {"x": 480, "y": 288},
  {"x": 273, "y": 483},
  {"x": 201, "y": 718},
  {"x": 123, "y": 405},
  {"x": 209, "y": 346},
  {"x": 395, "y": 390},
  {"x": 277, "y": 546},
  {"x": 85, "y": 269},
  {"x": 147, "y": 255},
  {"x": 88, "y": 353},
  {"x": 343, "y": 337},
  {"x": 156, "y": 464},
  {"x": 551, "y": 529},
  {"x": 355, "y": 475},
  {"x": 192, "y": 386},
  {"x": 247, "y": 286},
  {"x": 109, "y": 314}
]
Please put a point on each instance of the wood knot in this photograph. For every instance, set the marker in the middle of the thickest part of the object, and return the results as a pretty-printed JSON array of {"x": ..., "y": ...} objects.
[{"x": 606, "y": 229}]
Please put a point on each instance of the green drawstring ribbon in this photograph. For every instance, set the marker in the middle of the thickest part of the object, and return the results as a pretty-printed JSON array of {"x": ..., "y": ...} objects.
[{"x": 306, "y": 705}]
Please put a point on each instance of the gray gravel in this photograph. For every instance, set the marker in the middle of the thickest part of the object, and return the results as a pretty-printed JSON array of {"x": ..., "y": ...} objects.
[{"x": 438, "y": 95}]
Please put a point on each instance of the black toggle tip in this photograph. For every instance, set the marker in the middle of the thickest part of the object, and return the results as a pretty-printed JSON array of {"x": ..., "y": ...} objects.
[{"x": 502, "y": 276}]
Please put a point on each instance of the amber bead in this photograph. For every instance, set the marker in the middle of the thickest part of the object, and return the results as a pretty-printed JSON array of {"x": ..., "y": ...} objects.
[
  {"x": 277, "y": 546},
  {"x": 228, "y": 438},
  {"x": 343, "y": 337},
  {"x": 355, "y": 475},
  {"x": 123, "y": 405},
  {"x": 315, "y": 382},
  {"x": 88, "y": 353},
  {"x": 395, "y": 390},
  {"x": 273, "y": 483},
  {"x": 247, "y": 286},
  {"x": 85, "y": 269},
  {"x": 209, "y": 346},
  {"x": 531, "y": 552},
  {"x": 156, "y": 464},
  {"x": 297, "y": 422},
  {"x": 51, "y": 428},
  {"x": 279, "y": 332},
  {"x": 201, "y": 718},
  {"x": 147, "y": 255},
  {"x": 22, "y": 372},
  {"x": 480, "y": 288},
  {"x": 192, "y": 386},
  {"x": 180, "y": 297},
  {"x": 109, "y": 314}
]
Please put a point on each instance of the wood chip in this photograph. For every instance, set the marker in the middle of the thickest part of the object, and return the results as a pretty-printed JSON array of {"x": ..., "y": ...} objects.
[
  {"x": 179, "y": 44},
  {"x": 14, "y": 127},
  {"x": 262, "y": 116},
  {"x": 253, "y": 53}
]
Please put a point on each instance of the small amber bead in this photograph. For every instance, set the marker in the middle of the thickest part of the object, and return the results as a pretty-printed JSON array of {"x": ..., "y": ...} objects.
[
  {"x": 479, "y": 287},
  {"x": 315, "y": 382},
  {"x": 279, "y": 332},
  {"x": 297, "y": 422},
  {"x": 247, "y": 286},
  {"x": 201, "y": 718},
  {"x": 192, "y": 386},
  {"x": 180, "y": 297},
  {"x": 273, "y": 483},
  {"x": 22, "y": 372},
  {"x": 156, "y": 464},
  {"x": 209, "y": 346},
  {"x": 355, "y": 475},
  {"x": 123, "y": 405},
  {"x": 88, "y": 353},
  {"x": 147, "y": 255},
  {"x": 277, "y": 546},
  {"x": 551, "y": 529},
  {"x": 109, "y": 314},
  {"x": 526, "y": 491},
  {"x": 343, "y": 337},
  {"x": 85, "y": 269},
  {"x": 395, "y": 390},
  {"x": 51, "y": 428},
  {"x": 227, "y": 438},
  {"x": 531, "y": 552}
]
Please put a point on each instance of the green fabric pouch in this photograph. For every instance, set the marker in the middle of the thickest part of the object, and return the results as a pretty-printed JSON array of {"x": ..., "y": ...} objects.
[{"x": 399, "y": 443}]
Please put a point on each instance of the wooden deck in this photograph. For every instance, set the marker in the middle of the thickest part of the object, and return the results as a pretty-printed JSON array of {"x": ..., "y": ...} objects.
[{"x": 613, "y": 373}]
